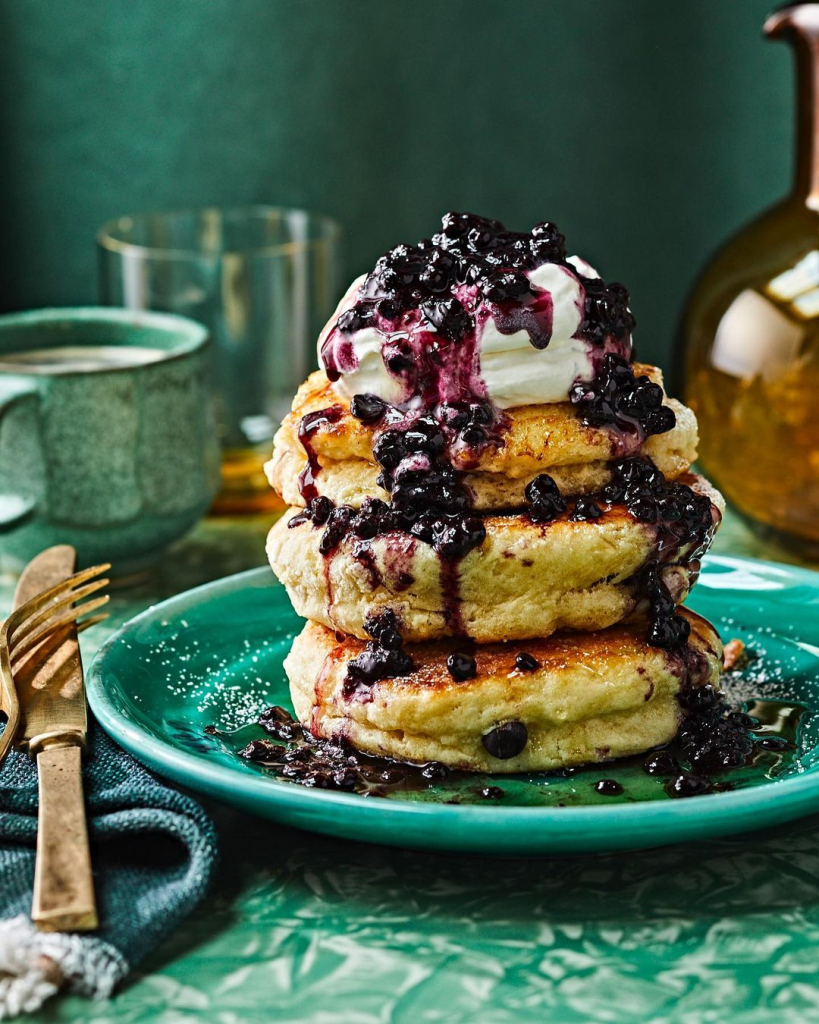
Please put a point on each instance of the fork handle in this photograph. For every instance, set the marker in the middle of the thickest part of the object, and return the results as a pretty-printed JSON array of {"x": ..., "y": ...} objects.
[{"x": 63, "y": 885}]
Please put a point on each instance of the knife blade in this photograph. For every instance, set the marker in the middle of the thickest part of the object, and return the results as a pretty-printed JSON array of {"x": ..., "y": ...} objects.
[{"x": 54, "y": 724}]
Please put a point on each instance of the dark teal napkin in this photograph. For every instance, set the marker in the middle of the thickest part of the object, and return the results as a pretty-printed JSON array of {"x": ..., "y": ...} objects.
[{"x": 153, "y": 852}]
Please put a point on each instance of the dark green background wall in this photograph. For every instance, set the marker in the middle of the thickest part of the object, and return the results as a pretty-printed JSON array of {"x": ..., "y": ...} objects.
[{"x": 648, "y": 129}]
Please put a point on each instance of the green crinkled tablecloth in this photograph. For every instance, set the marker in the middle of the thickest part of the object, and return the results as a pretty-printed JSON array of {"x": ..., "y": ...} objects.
[{"x": 308, "y": 929}]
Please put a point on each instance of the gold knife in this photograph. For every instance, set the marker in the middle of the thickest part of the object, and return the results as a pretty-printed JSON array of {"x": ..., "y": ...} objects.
[{"x": 52, "y": 700}]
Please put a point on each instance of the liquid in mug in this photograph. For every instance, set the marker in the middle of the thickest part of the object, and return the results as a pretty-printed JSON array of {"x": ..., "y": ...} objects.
[{"x": 78, "y": 358}]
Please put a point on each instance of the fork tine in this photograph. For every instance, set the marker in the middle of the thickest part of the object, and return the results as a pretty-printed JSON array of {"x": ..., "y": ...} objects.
[
  {"x": 11, "y": 704},
  {"x": 32, "y": 639},
  {"x": 50, "y": 642},
  {"x": 95, "y": 620},
  {"x": 39, "y": 602},
  {"x": 32, "y": 622}
]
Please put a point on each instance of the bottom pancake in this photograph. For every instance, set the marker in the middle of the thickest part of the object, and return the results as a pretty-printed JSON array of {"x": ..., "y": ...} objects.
[{"x": 590, "y": 697}]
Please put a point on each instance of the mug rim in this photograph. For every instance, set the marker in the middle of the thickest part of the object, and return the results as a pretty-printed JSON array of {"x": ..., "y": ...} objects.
[
  {"x": 107, "y": 240},
  {"x": 191, "y": 335}
]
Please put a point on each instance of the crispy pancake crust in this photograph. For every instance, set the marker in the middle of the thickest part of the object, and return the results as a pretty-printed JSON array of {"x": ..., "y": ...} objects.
[
  {"x": 594, "y": 697},
  {"x": 525, "y": 580},
  {"x": 538, "y": 439}
]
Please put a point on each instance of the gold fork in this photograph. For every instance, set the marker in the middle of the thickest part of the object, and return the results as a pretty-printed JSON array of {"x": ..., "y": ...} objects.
[{"x": 30, "y": 625}]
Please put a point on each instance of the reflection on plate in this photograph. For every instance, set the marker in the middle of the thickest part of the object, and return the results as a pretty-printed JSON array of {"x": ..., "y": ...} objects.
[{"x": 214, "y": 656}]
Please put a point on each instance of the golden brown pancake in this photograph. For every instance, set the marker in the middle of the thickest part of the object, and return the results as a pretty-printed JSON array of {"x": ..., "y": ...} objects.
[
  {"x": 537, "y": 439},
  {"x": 525, "y": 580},
  {"x": 592, "y": 697}
]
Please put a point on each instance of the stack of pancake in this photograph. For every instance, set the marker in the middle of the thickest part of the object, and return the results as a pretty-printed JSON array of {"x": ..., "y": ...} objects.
[{"x": 504, "y": 605}]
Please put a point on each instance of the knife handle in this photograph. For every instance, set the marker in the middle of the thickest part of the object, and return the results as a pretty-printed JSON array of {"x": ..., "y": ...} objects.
[{"x": 63, "y": 885}]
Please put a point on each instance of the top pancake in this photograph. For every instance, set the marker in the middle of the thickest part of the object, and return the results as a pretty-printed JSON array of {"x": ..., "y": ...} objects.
[{"x": 538, "y": 439}]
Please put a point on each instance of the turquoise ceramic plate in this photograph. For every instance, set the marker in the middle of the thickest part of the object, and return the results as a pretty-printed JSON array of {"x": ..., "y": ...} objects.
[{"x": 213, "y": 656}]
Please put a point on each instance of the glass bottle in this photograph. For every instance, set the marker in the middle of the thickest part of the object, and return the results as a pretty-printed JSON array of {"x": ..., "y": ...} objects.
[{"x": 751, "y": 335}]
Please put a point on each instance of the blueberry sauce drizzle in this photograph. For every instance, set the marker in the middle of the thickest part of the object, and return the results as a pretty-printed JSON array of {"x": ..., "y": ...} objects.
[
  {"x": 333, "y": 764},
  {"x": 617, "y": 398},
  {"x": 384, "y": 657},
  {"x": 683, "y": 520},
  {"x": 309, "y": 424},
  {"x": 428, "y": 500},
  {"x": 713, "y": 738}
]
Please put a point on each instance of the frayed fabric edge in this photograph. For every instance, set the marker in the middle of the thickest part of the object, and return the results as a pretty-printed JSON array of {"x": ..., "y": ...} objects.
[{"x": 35, "y": 965}]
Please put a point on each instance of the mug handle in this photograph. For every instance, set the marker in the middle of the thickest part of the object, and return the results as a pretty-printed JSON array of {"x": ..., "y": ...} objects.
[{"x": 15, "y": 509}]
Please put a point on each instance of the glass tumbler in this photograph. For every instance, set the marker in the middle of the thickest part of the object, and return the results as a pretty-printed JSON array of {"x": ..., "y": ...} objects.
[{"x": 263, "y": 280}]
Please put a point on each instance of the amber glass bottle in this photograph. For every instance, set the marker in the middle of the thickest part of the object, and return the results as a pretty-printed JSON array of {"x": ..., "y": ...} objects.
[{"x": 751, "y": 335}]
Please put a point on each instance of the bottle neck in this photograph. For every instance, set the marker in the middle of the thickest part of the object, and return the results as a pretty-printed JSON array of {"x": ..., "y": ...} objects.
[
  {"x": 798, "y": 24},
  {"x": 806, "y": 183}
]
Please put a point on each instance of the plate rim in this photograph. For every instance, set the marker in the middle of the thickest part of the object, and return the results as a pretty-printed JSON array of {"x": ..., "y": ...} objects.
[{"x": 173, "y": 762}]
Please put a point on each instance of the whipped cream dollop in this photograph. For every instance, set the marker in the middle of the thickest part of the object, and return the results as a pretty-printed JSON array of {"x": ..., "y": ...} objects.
[{"x": 450, "y": 323}]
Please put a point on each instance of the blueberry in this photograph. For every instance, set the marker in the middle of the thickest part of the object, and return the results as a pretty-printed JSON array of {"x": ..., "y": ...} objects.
[
  {"x": 367, "y": 408},
  {"x": 438, "y": 274},
  {"x": 585, "y": 509},
  {"x": 659, "y": 421},
  {"x": 506, "y": 286},
  {"x": 389, "y": 449},
  {"x": 687, "y": 784},
  {"x": 422, "y": 441},
  {"x": 547, "y": 244},
  {"x": 455, "y": 536},
  {"x": 384, "y": 629},
  {"x": 350, "y": 321},
  {"x": 506, "y": 740},
  {"x": 473, "y": 436},
  {"x": 543, "y": 495},
  {"x": 365, "y": 526},
  {"x": 454, "y": 416},
  {"x": 397, "y": 361},
  {"x": 416, "y": 466},
  {"x": 669, "y": 633},
  {"x": 337, "y": 525},
  {"x": 449, "y": 318},
  {"x": 480, "y": 413},
  {"x": 461, "y": 666},
  {"x": 661, "y": 763},
  {"x": 608, "y": 787},
  {"x": 525, "y": 662},
  {"x": 699, "y": 698},
  {"x": 644, "y": 510},
  {"x": 320, "y": 509},
  {"x": 279, "y": 723}
]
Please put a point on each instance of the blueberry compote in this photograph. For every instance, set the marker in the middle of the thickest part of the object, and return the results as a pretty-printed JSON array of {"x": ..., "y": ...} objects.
[
  {"x": 428, "y": 499},
  {"x": 384, "y": 656},
  {"x": 713, "y": 738},
  {"x": 333, "y": 764},
  {"x": 428, "y": 303},
  {"x": 683, "y": 522},
  {"x": 617, "y": 398}
]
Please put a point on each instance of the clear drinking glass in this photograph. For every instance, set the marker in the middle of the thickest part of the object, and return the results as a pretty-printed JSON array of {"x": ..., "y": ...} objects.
[{"x": 264, "y": 280}]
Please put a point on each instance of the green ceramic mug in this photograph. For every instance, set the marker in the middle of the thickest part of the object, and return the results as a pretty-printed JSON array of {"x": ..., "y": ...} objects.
[{"x": 107, "y": 439}]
